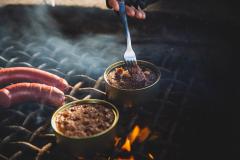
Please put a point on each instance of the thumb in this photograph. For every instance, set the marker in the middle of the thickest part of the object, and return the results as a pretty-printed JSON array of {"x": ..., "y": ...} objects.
[{"x": 114, "y": 4}]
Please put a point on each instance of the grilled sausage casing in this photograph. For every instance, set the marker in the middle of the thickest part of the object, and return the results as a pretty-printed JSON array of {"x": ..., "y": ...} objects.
[
  {"x": 31, "y": 92},
  {"x": 27, "y": 74}
]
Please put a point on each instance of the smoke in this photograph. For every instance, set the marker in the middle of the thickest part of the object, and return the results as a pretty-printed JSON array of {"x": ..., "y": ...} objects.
[
  {"x": 89, "y": 49},
  {"x": 86, "y": 53}
]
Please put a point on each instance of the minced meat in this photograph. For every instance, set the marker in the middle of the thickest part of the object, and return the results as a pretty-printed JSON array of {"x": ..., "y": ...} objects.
[
  {"x": 84, "y": 120},
  {"x": 135, "y": 77}
]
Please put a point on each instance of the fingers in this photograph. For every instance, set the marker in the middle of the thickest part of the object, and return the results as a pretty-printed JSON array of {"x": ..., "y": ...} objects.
[
  {"x": 131, "y": 11},
  {"x": 136, "y": 13},
  {"x": 143, "y": 14},
  {"x": 114, "y": 4}
]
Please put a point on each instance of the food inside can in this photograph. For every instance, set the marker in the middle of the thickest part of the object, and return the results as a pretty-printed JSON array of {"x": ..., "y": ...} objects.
[
  {"x": 84, "y": 120},
  {"x": 135, "y": 77}
]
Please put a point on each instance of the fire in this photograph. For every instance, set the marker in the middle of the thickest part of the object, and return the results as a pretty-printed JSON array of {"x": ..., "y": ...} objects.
[
  {"x": 136, "y": 133},
  {"x": 127, "y": 145},
  {"x": 143, "y": 135},
  {"x": 131, "y": 138}
]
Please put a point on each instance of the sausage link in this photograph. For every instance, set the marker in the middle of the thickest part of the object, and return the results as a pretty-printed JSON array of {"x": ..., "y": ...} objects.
[
  {"x": 27, "y": 74},
  {"x": 31, "y": 92}
]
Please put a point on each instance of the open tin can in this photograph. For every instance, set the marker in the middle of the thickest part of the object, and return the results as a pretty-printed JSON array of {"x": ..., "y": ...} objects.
[
  {"x": 131, "y": 97},
  {"x": 85, "y": 146}
]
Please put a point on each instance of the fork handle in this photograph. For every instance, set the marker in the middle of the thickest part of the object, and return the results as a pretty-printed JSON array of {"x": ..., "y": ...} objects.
[{"x": 122, "y": 12}]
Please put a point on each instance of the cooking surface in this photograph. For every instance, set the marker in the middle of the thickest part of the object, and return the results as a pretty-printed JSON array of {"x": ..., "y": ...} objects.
[{"x": 79, "y": 43}]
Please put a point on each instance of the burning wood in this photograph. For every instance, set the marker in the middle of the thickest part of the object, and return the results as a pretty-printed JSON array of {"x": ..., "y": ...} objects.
[{"x": 144, "y": 134}]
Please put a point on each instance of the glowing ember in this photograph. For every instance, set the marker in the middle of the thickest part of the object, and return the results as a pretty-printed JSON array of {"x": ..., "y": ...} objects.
[
  {"x": 134, "y": 134},
  {"x": 144, "y": 133},
  {"x": 117, "y": 140},
  {"x": 127, "y": 145},
  {"x": 150, "y": 156}
]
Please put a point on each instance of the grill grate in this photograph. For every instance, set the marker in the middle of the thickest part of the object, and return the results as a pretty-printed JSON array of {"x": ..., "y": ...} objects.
[
  {"x": 25, "y": 129},
  {"x": 26, "y": 132}
]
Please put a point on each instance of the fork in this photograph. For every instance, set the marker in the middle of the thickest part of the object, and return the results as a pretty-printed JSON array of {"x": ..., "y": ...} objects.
[{"x": 129, "y": 55}]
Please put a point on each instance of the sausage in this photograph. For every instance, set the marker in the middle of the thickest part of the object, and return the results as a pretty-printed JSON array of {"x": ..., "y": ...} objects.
[
  {"x": 31, "y": 92},
  {"x": 27, "y": 74}
]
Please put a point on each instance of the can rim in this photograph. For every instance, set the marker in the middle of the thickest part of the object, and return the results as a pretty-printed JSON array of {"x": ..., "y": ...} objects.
[
  {"x": 120, "y": 63},
  {"x": 86, "y": 101}
]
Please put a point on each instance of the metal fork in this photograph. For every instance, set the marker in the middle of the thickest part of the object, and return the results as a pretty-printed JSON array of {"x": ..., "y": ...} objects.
[{"x": 129, "y": 55}]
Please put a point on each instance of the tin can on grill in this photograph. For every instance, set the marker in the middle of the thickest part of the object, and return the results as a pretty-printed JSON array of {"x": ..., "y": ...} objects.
[
  {"x": 85, "y": 146},
  {"x": 131, "y": 97}
]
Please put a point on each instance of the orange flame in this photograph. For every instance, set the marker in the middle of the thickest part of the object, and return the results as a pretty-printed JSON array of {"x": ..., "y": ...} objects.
[
  {"x": 127, "y": 145},
  {"x": 144, "y": 133},
  {"x": 131, "y": 138},
  {"x": 134, "y": 134}
]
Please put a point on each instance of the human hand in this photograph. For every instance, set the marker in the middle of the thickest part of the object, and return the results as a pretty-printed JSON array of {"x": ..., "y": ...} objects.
[{"x": 131, "y": 11}]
